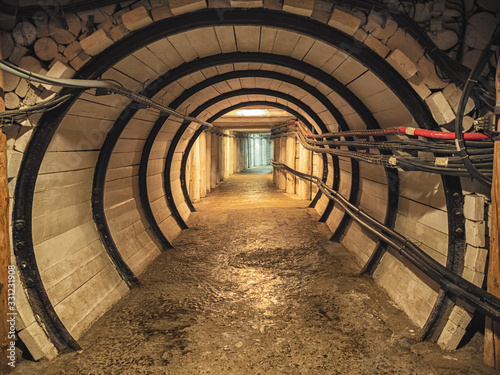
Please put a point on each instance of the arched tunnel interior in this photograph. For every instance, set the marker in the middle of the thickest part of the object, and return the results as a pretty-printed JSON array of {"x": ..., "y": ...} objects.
[{"x": 121, "y": 117}]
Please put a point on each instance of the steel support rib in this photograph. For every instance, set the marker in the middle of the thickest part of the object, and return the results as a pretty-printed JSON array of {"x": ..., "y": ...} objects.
[
  {"x": 319, "y": 123},
  {"x": 49, "y": 122}
]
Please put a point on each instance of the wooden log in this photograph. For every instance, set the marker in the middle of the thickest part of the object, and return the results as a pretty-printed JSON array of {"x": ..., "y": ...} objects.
[
  {"x": 491, "y": 5},
  {"x": 10, "y": 82},
  {"x": 118, "y": 32},
  {"x": 492, "y": 328},
  {"x": 32, "y": 64},
  {"x": 480, "y": 27},
  {"x": 46, "y": 49},
  {"x": 22, "y": 88},
  {"x": 184, "y": 6},
  {"x": 247, "y": 3},
  {"x": 7, "y": 43},
  {"x": 93, "y": 14},
  {"x": 7, "y": 21},
  {"x": 42, "y": 25},
  {"x": 440, "y": 108},
  {"x": 345, "y": 22},
  {"x": 12, "y": 101},
  {"x": 5, "y": 340},
  {"x": 137, "y": 18},
  {"x": 59, "y": 70},
  {"x": 444, "y": 39},
  {"x": 96, "y": 43},
  {"x": 4, "y": 249},
  {"x": 17, "y": 54},
  {"x": 64, "y": 30},
  {"x": 24, "y": 33},
  {"x": 161, "y": 13},
  {"x": 59, "y": 58},
  {"x": 402, "y": 64}
]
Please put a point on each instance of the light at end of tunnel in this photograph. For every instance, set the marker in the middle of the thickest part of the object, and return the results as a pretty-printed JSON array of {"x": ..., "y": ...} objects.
[{"x": 252, "y": 112}]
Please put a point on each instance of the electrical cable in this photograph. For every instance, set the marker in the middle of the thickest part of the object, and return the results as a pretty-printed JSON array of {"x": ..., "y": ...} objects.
[
  {"x": 449, "y": 164},
  {"x": 9, "y": 116},
  {"x": 96, "y": 84},
  {"x": 459, "y": 135},
  {"x": 480, "y": 299}
]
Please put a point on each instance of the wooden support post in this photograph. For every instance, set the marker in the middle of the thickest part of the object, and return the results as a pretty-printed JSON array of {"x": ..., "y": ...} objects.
[
  {"x": 233, "y": 155},
  {"x": 305, "y": 166},
  {"x": 214, "y": 161},
  {"x": 290, "y": 161},
  {"x": 239, "y": 155},
  {"x": 222, "y": 155},
  {"x": 195, "y": 172},
  {"x": 282, "y": 159},
  {"x": 492, "y": 329},
  {"x": 251, "y": 149},
  {"x": 258, "y": 152},
  {"x": 4, "y": 238},
  {"x": 269, "y": 154},
  {"x": 4, "y": 251},
  {"x": 276, "y": 157},
  {"x": 203, "y": 164},
  {"x": 208, "y": 161}
]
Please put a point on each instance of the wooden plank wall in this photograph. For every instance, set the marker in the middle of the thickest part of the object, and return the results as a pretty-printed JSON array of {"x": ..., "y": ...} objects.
[{"x": 70, "y": 256}]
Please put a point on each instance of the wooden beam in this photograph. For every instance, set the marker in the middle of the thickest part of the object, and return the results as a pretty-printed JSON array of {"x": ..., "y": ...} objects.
[
  {"x": 4, "y": 240},
  {"x": 492, "y": 329}
]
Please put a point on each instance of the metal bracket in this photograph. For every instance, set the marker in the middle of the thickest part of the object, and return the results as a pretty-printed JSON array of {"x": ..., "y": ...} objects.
[
  {"x": 488, "y": 124},
  {"x": 102, "y": 92}
]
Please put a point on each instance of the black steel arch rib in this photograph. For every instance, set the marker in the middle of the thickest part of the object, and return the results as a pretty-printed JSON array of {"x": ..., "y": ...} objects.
[
  {"x": 289, "y": 79},
  {"x": 210, "y": 61},
  {"x": 196, "y": 88},
  {"x": 278, "y": 94},
  {"x": 22, "y": 235},
  {"x": 215, "y": 117},
  {"x": 331, "y": 82}
]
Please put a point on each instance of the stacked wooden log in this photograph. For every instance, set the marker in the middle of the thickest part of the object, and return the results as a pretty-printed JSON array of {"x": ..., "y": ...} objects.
[{"x": 448, "y": 22}]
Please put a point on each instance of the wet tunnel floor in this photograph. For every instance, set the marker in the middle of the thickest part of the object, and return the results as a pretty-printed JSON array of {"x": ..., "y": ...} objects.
[{"x": 255, "y": 287}]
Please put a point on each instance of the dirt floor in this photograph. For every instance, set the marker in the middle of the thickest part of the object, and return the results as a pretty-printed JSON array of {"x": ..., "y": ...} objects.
[{"x": 255, "y": 287}]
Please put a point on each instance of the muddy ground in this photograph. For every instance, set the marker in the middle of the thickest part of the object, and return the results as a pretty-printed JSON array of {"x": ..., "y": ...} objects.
[{"x": 255, "y": 287}]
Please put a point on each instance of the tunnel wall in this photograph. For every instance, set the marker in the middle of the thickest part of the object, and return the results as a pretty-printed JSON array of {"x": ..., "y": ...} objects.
[{"x": 72, "y": 255}]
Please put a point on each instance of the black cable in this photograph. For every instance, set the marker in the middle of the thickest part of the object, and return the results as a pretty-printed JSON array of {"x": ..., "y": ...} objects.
[
  {"x": 459, "y": 137},
  {"x": 448, "y": 166},
  {"x": 480, "y": 299},
  {"x": 9, "y": 116}
]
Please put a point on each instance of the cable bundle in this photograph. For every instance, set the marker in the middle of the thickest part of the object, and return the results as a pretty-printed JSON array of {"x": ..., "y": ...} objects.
[
  {"x": 479, "y": 298},
  {"x": 446, "y": 160}
]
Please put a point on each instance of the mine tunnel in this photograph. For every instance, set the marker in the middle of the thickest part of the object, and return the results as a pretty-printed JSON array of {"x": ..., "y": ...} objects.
[{"x": 136, "y": 132}]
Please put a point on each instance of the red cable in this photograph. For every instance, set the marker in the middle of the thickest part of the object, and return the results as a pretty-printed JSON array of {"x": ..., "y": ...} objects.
[
  {"x": 389, "y": 131},
  {"x": 440, "y": 135}
]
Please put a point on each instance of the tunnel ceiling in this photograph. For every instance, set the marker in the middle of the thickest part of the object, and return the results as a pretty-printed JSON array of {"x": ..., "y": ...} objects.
[
  {"x": 254, "y": 119},
  {"x": 212, "y": 64}
]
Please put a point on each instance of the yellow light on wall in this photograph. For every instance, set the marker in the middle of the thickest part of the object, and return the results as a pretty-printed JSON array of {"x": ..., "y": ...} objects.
[{"x": 252, "y": 112}]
